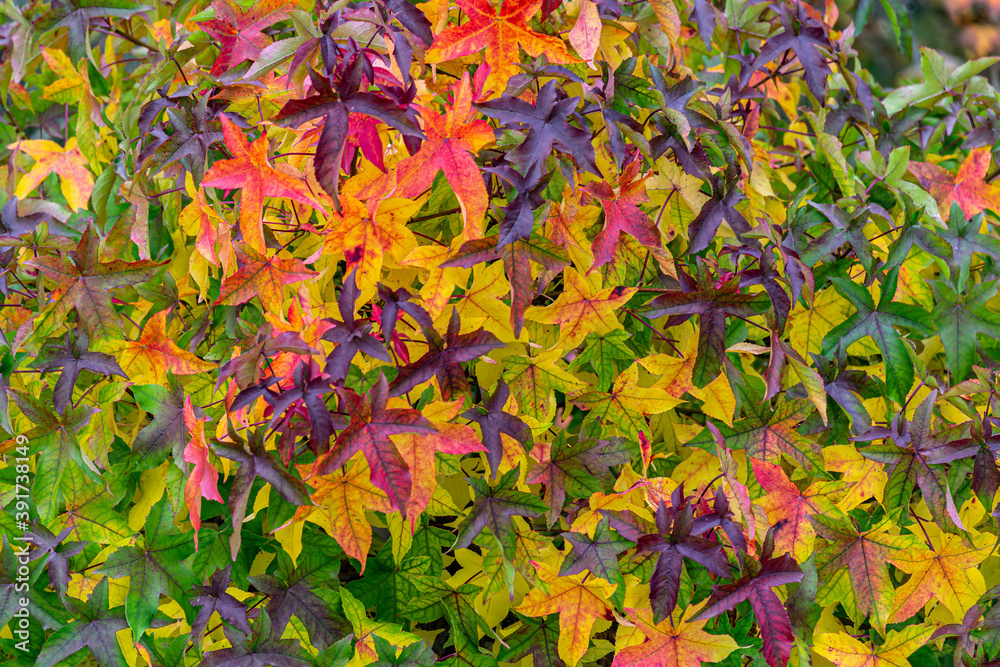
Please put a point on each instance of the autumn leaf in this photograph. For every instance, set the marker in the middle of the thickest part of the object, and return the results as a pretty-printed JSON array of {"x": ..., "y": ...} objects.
[
  {"x": 365, "y": 238},
  {"x": 204, "y": 478},
  {"x": 73, "y": 356},
  {"x": 767, "y": 433},
  {"x": 864, "y": 554},
  {"x": 148, "y": 359},
  {"x": 622, "y": 213},
  {"x": 941, "y": 574},
  {"x": 597, "y": 553},
  {"x": 85, "y": 281},
  {"x": 494, "y": 422},
  {"x": 674, "y": 542},
  {"x": 775, "y": 626},
  {"x": 499, "y": 34},
  {"x": 968, "y": 188},
  {"x": 494, "y": 506},
  {"x": 67, "y": 162},
  {"x": 915, "y": 458},
  {"x": 712, "y": 301},
  {"x": 789, "y": 510},
  {"x": 843, "y": 649},
  {"x": 577, "y": 601},
  {"x": 534, "y": 381},
  {"x": 419, "y": 450},
  {"x": 238, "y": 33},
  {"x": 262, "y": 277},
  {"x": 671, "y": 643},
  {"x": 548, "y": 127},
  {"x": 577, "y": 469},
  {"x": 341, "y": 498},
  {"x": 626, "y": 404},
  {"x": 582, "y": 308},
  {"x": 451, "y": 137},
  {"x": 443, "y": 359},
  {"x": 250, "y": 171},
  {"x": 369, "y": 430}
]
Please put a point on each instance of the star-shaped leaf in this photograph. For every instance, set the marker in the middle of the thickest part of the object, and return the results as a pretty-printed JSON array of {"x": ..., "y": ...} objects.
[
  {"x": 578, "y": 601},
  {"x": 444, "y": 358},
  {"x": 879, "y": 322},
  {"x": 261, "y": 276},
  {"x": 622, "y": 213},
  {"x": 452, "y": 138},
  {"x": 493, "y": 507},
  {"x": 95, "y": 629},
  {"x": 154, "y": 567},
  {"x": 626, "y": 405},
  {"x": 968, "y": 188},
  {"x": 69, "y": 163},
  {"x": 250, "y": 171},
  {"x": 369, "y": 430},
  {"x": 547, "y": 126},
  {"x": 712, "y": 301},
  {"x": 775, "y": 626},
  {"x": 599, "y": 555},
  {"x": 864, "y": 554},
  {"x": 499, "y": 34},
  {"x": 493, "y": 421},
  {"x": 673, "y": 643},
  {"x": 237, "y": 32},
  {"x": 85, "y": 283},
  {"x": 148, "y": 359},
  {"x": 72, "y": 356},
  {"x": 582, "y": 308}
]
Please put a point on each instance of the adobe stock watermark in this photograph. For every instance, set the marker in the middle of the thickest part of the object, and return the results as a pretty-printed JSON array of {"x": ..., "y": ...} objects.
[{"x": 23, "y": 542}]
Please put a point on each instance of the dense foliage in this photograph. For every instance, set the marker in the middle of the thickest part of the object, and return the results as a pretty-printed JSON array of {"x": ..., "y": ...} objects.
[{"x": 476, "y": 332}]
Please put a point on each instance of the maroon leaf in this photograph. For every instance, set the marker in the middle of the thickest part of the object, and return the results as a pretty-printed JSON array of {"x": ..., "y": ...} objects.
[
  {"x": 674, "y": 542},
  {"x": 444, "y": 358},
  {"x": 775, "y": 626},
  {"x": 493, "y": 421},
  {"x": 369, "y": 430}
]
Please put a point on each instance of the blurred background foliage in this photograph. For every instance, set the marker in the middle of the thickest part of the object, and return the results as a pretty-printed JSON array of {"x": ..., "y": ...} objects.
[{"x": 963, "y": 29}]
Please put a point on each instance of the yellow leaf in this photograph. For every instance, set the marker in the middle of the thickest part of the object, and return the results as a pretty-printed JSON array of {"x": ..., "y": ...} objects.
[
  {"x": 846, "y": 651},
  {"x": 68, "y": 163},
  {"x": 579, "y": 601},
  {"x": 582, "y": 308},
  {"x": 948, "y": 574},
  {"x": 341, "y": 499}
]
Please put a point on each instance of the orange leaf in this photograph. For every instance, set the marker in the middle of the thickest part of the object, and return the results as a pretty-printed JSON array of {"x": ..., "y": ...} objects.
[
  {"x": 204, "y": 478},
  {"x": 262, "y": 277},
  {"x": 943, "y": 574},
  {"x": 968, "y": 189},
  {"x": 365, "y": 237},
  {"x": 673, "y": 643},
  {"x": 789, "y": 509},
  {"x": 68, "y": 163},
  {"x": 418, "y": 451},
  {"x": 450, "y": 139},
  {"x": 500, "y": 35},
  {"x": 250, "y": 171},
  {"x": 147, "y": 360}
]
